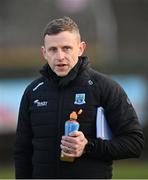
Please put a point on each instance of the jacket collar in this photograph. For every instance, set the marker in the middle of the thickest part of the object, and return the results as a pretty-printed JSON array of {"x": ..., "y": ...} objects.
[{"x": 63, "y": 81}]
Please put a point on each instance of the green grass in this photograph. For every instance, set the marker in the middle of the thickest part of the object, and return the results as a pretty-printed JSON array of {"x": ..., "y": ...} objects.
[
  {"x": 128, "y": 169},
  {"x": 125, "y": 169},
  {"x": 7, "y": 172}
]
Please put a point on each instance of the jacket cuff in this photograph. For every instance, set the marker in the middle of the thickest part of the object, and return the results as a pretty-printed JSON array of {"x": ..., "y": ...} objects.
[
  {"x": 89, "y": 148},
  {"x": 93, "y": 148}
]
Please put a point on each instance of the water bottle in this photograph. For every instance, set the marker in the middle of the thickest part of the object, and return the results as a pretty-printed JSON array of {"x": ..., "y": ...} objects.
[{"x": 71, "y": 125}]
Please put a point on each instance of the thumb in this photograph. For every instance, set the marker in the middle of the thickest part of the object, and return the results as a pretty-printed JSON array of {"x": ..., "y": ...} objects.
[{"x": 75, "y": 133}]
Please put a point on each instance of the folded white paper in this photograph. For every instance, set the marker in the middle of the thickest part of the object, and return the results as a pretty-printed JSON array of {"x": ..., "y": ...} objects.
[{"x": 103, "y": 130}]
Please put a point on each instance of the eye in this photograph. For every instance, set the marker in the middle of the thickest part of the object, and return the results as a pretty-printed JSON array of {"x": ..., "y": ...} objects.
[
  {"x": 67, "y": 48},
  {"x": 52, "y": 49}
]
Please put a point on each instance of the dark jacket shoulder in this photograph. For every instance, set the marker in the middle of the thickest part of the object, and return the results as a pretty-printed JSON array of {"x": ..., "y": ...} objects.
[{"x": 35, "y": 84}]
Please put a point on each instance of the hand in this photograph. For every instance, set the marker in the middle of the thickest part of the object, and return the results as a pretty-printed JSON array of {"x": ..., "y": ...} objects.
[{"x": 74, "y": 144}]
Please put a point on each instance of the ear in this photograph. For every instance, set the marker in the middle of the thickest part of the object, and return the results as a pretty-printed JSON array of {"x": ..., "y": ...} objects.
[
  {"x": 82, "y": 47},
  {"x": 43, "y": 51}
]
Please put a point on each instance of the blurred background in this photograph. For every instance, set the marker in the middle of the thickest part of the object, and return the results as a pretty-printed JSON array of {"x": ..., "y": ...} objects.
[{"x": 116, "y": 33}]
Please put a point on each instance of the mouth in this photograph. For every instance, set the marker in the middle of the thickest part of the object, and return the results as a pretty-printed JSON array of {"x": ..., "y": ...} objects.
[
  {"x": 61, "y": 69},
  {"x": 61, "y": 65}
]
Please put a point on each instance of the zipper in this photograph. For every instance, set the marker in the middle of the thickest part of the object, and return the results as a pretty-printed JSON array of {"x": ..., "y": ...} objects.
[{"x": 60, "y": 123}]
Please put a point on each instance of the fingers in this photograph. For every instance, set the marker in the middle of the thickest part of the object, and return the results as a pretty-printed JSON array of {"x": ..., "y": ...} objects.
[
  {"x": 73, "y": 145},
  {"x": 69, "y": 144},
  {"x": 74, "y": 137},
  {"x": 70, "y": 152}
]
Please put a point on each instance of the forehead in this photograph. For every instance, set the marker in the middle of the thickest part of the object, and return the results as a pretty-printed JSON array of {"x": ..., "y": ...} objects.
[{"x": 64, "y": 37}]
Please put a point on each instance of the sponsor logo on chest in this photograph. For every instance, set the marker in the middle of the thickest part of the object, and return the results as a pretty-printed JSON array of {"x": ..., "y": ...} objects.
[{"x": 40, "y": 103}]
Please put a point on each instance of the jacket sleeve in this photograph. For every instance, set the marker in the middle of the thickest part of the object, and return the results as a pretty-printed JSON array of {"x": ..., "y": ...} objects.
[
  {"x": 23, "y": 143},
  {"x": 128, "y": 138}
]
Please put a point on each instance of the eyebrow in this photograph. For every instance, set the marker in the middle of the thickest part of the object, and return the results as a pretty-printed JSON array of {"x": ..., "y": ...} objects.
[{"x": 64, "y": 46}]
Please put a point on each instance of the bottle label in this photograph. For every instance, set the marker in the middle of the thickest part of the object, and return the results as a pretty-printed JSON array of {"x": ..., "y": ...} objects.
[{"x": 71, "y": 126}]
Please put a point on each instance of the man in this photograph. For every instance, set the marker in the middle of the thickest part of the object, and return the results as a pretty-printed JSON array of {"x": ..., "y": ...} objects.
[{"x": 68, "y": 84}]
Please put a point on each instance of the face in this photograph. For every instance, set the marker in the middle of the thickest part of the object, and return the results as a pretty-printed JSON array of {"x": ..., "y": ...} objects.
[{"x": 62, "y": 50}]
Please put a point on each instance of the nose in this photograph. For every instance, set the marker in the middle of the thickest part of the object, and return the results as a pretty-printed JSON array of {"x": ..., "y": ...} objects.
[{"x": 60, "y": 54}]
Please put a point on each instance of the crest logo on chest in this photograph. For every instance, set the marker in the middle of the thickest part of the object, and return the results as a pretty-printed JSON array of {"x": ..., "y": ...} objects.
[{"x": 80, "y": 98}]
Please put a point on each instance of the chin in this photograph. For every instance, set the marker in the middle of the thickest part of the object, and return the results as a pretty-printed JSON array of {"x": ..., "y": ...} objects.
[{"x": 61, "y": 74}]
